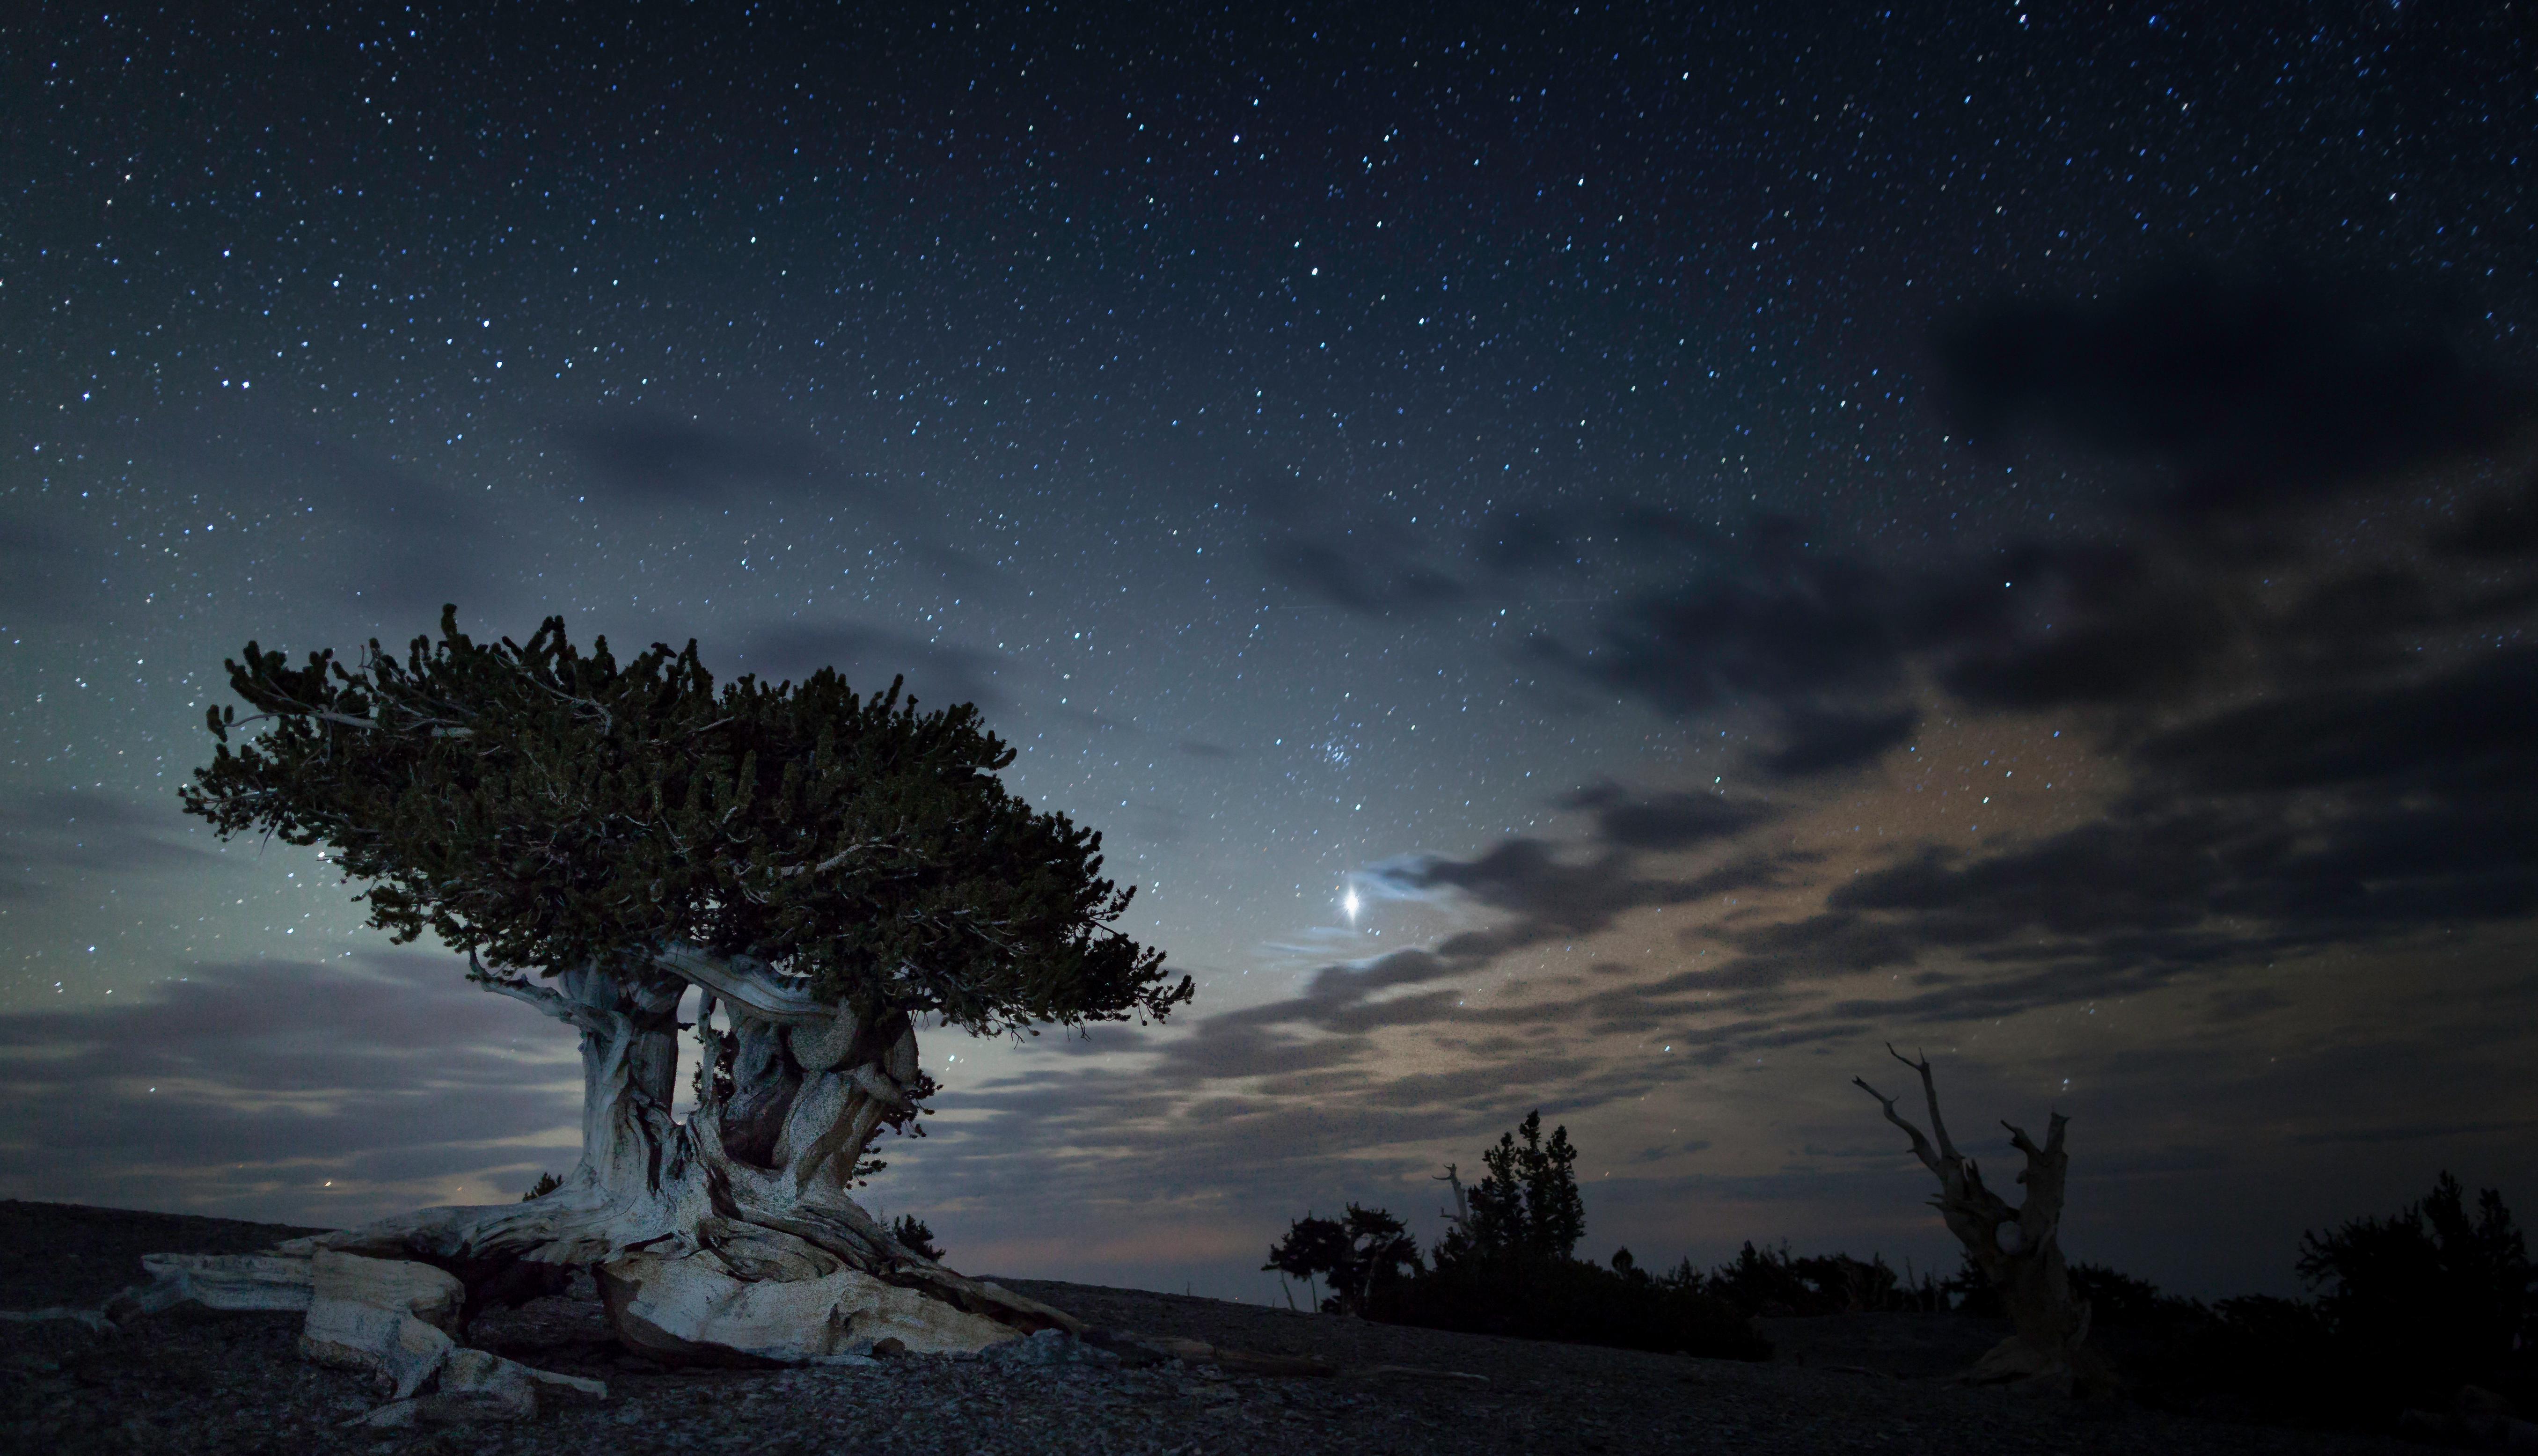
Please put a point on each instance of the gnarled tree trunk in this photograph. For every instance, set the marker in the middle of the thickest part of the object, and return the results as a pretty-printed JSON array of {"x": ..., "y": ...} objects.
[
  {"x": 725, "y": 1237},
  {"x": 2018, "y": 1250}
]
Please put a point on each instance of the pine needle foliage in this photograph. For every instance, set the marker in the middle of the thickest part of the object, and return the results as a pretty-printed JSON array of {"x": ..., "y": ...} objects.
[
  {"x": 552, "y": 809},
  {"x": 915, "y": 1237}
]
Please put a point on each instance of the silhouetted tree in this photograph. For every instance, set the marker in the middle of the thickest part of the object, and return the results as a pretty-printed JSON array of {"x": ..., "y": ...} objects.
[
  {"x": 547, "y": 1183},
  {"x": 2119, "y": 1302},
  {"x": 1353, "y": 1255},
  {"x": 1526, "y": 1207},
  {"x": 1505, "y": 1266},
  {"x": 2018, "y": 1247},
  {"x": 2433, "y": 1295},
  {"x": 1770, "y": 1282},
  {"x": 824, "y": 869}
]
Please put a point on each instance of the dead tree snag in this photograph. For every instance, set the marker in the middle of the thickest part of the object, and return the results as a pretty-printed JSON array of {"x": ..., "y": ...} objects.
[{"x": 2019, "y": 1248}]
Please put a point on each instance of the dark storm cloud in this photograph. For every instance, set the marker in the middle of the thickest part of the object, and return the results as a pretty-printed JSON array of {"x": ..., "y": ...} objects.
[
  {"x": 396, "y": 1069},
  {"x": 2418, "y": 1131},
  {"x": 940, "y": 673},
  {"x": 2258, "y": 392},
  {"x": 657, "y": 460}
]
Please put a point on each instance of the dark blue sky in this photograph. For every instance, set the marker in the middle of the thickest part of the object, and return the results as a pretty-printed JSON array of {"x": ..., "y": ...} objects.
[{"x": 1601, "y": 559}]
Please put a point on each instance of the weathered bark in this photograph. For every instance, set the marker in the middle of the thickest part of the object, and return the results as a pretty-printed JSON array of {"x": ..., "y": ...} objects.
[
  {"x": 2018, "y": 1249},
  {"x": 727, "y": 1237},
  {"x": 680, "y": 1218}
]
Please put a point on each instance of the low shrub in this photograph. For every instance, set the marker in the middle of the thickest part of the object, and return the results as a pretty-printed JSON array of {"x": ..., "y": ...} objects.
[
  {"x": 1570, "y": 1300},
  {"x": 1769, "y": 1281}
]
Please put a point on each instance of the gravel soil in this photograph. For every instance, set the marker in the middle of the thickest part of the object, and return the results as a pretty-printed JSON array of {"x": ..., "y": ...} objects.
[{"x": 197, "y": 1382}]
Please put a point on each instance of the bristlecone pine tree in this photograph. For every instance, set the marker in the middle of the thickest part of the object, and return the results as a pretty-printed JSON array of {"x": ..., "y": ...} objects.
[
  {"x": 823, "y": 868},
  {"x": 2018, "y": 1250}
]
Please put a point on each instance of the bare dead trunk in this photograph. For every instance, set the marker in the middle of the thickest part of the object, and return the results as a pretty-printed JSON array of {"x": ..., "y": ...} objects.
[{"x": 2018, "y": 1249}]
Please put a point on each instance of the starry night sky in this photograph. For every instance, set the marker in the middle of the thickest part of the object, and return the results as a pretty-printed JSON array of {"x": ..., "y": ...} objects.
[{"x": 1611, "y": 560}]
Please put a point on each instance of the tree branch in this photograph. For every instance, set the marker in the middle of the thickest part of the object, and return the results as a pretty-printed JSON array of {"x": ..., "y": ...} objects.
[
  {"x": 751, "y": 985},
  {"x": 1921, "y": 1147},
  {"x": 563, "y": 1009},
  {"x": 1930, "y": 1090},
  {"x": 878, "y": 1085}
]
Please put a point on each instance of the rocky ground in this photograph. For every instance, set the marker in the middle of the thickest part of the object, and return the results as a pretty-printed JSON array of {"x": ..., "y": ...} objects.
[{"x": 197, "y": 1382}]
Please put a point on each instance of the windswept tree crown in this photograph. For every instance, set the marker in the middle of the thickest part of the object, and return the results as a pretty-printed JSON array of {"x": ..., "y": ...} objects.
[{"x": 554, "y": 810}]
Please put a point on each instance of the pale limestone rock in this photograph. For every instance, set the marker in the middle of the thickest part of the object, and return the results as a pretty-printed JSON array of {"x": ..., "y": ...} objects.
[{"x": 689, "y": 1308}]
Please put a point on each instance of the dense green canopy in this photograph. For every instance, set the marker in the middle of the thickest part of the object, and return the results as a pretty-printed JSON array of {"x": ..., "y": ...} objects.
[{"x": 552, "y": 809}]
